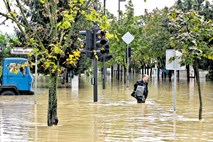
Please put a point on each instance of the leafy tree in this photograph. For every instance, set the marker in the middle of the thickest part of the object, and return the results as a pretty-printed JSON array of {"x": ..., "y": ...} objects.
[
  {"x": 128, "y": 23},
  {"x": 192, "y": 35},
  {"x": 6, "y": 43},
  {"x": 117, "y": 47},
  {"x": 156, "y": 36},
  {"x": 49, "y": 27},
  {"x": 203, "y": 8}
]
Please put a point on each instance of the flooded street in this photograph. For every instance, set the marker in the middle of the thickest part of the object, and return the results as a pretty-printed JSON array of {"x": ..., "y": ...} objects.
[{"x": 116, "y": 117}]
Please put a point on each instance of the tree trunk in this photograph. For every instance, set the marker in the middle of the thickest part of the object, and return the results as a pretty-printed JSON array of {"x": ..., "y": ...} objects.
[
  {"x": 112, "y": 71},
  {"x": 151, "y": 72},
  {"x": 158, "y": 73},
  {"x": 195, "y": 66},
  {"x": 118, "y": 72},
  {"x": 52, "y": 118},
  {"x": 147, "y": 72},
  {"x": 178, "y": 74},
  {"x": 142, "y": 70},
  {"x": 170, "y": 75},
  {"x": 125, "y": 75},
  {"x": 187, "y": 71}
]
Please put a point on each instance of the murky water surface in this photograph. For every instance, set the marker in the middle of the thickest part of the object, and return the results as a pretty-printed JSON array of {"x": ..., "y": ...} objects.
[{"x": 116, "y": 117}]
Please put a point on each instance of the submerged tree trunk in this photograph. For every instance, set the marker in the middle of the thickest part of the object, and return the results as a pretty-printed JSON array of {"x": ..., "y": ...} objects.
[
  {"x": 158, "y": 73},
  {"x": 118, "y": 72},
  {"x": 112, "y": 71},
  {"x": 195, "y": 66},
  {"x": 125, "y": 75},
  {"x": 142, "y": 72},
  {"x": 187, "y": 71},
  {"x": 150, "y": 72},
  {"x": 52, "y": 118}
]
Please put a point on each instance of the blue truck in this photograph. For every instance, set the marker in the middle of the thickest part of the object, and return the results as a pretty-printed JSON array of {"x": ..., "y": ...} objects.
[{"x": 16, "y": 78}]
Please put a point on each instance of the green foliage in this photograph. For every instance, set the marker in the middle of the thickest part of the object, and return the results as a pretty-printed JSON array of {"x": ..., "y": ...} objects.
[
  {"x": 156, "y": 36},
  {"x": 6, "y": 43},
  {"x": 151, "y": 37},
  {"x": 191, "y": 34},
  {"x": 204, "y": 8},
  {"x": 51, "y": 28},
  {"x": 128, "y": 23}
]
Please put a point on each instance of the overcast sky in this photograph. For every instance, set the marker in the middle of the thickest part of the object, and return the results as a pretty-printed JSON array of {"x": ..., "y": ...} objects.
[
  {"x": 112, "y": 6},
  {"x": 139, "y": 5}
]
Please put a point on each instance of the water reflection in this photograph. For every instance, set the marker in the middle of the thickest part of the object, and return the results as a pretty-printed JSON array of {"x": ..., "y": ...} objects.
[{"x": 115, "y": 117}]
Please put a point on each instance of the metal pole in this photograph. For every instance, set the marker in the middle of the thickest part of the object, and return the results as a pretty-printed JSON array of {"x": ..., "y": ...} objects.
[
  {"x": 119, "y": 10},
  {"x": 95, "y": 87},
  {"x": 127, "y": 70},
  {"x": 104, "y": 6},
  {"x": 175, "y": 74},
  {"x": 104, "y": 58},
  {"x": 104, "y": 71},
  {"x": 36, "y": 76},
  {"x": 175, "y": 81}
]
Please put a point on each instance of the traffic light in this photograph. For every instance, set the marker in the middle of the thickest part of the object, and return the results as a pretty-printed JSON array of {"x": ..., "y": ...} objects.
[
  {"x": 88, "y": 43},
  {"x": 101, "y": 42},
  {"x": 102, "y": 46}
]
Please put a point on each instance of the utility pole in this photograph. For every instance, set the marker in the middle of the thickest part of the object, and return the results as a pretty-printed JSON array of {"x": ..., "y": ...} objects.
[
  {"x": 104, "y": 72},
  {"x": 119, "y": 8},
  {"x": 104, "y": 61},
  {"x": 104, "y": 6}
]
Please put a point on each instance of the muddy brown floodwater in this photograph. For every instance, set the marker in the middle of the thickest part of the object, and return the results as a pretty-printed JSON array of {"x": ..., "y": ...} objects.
[{"x": 116, "y": 117}]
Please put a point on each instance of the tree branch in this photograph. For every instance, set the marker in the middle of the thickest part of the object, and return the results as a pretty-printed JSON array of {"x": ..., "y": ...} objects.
[
  {"x": 22, "y": 12},
  {"x": 13, "y": 18}
]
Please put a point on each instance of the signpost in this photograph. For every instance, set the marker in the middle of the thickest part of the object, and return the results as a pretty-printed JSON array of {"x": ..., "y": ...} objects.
[
  {"x": 127, "y": 38},
  {"x": 174, "y": 65}
]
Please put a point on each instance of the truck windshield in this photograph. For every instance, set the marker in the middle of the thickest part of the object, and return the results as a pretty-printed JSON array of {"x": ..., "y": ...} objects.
[{"x": 15, "y": 68}]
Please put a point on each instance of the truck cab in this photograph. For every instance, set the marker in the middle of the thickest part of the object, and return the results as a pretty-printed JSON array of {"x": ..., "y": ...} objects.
[{"x": 16, "y": 77}]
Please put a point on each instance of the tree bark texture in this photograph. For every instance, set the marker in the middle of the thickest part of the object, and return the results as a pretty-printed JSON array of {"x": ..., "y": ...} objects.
[
  {"x": 195, "y": 66},
  {"x": 52, "y": 118}
]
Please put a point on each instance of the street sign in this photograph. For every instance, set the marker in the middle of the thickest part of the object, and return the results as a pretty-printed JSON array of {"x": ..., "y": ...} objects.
[
  {"x": 20, "y": 50},
  {"x": 174, "y": 65},
  {"x": 128, "y": 38}
]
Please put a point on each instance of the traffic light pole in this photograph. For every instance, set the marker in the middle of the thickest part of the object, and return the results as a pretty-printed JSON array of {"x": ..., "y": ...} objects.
[
  {"x": 127, "y": 70},
  {"x": 95, "y": 85},
  {"x": 104, "y": 72}
]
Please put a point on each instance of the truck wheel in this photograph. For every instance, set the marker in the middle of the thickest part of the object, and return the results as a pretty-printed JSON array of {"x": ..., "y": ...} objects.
[{"x": 7, "y": 93}]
